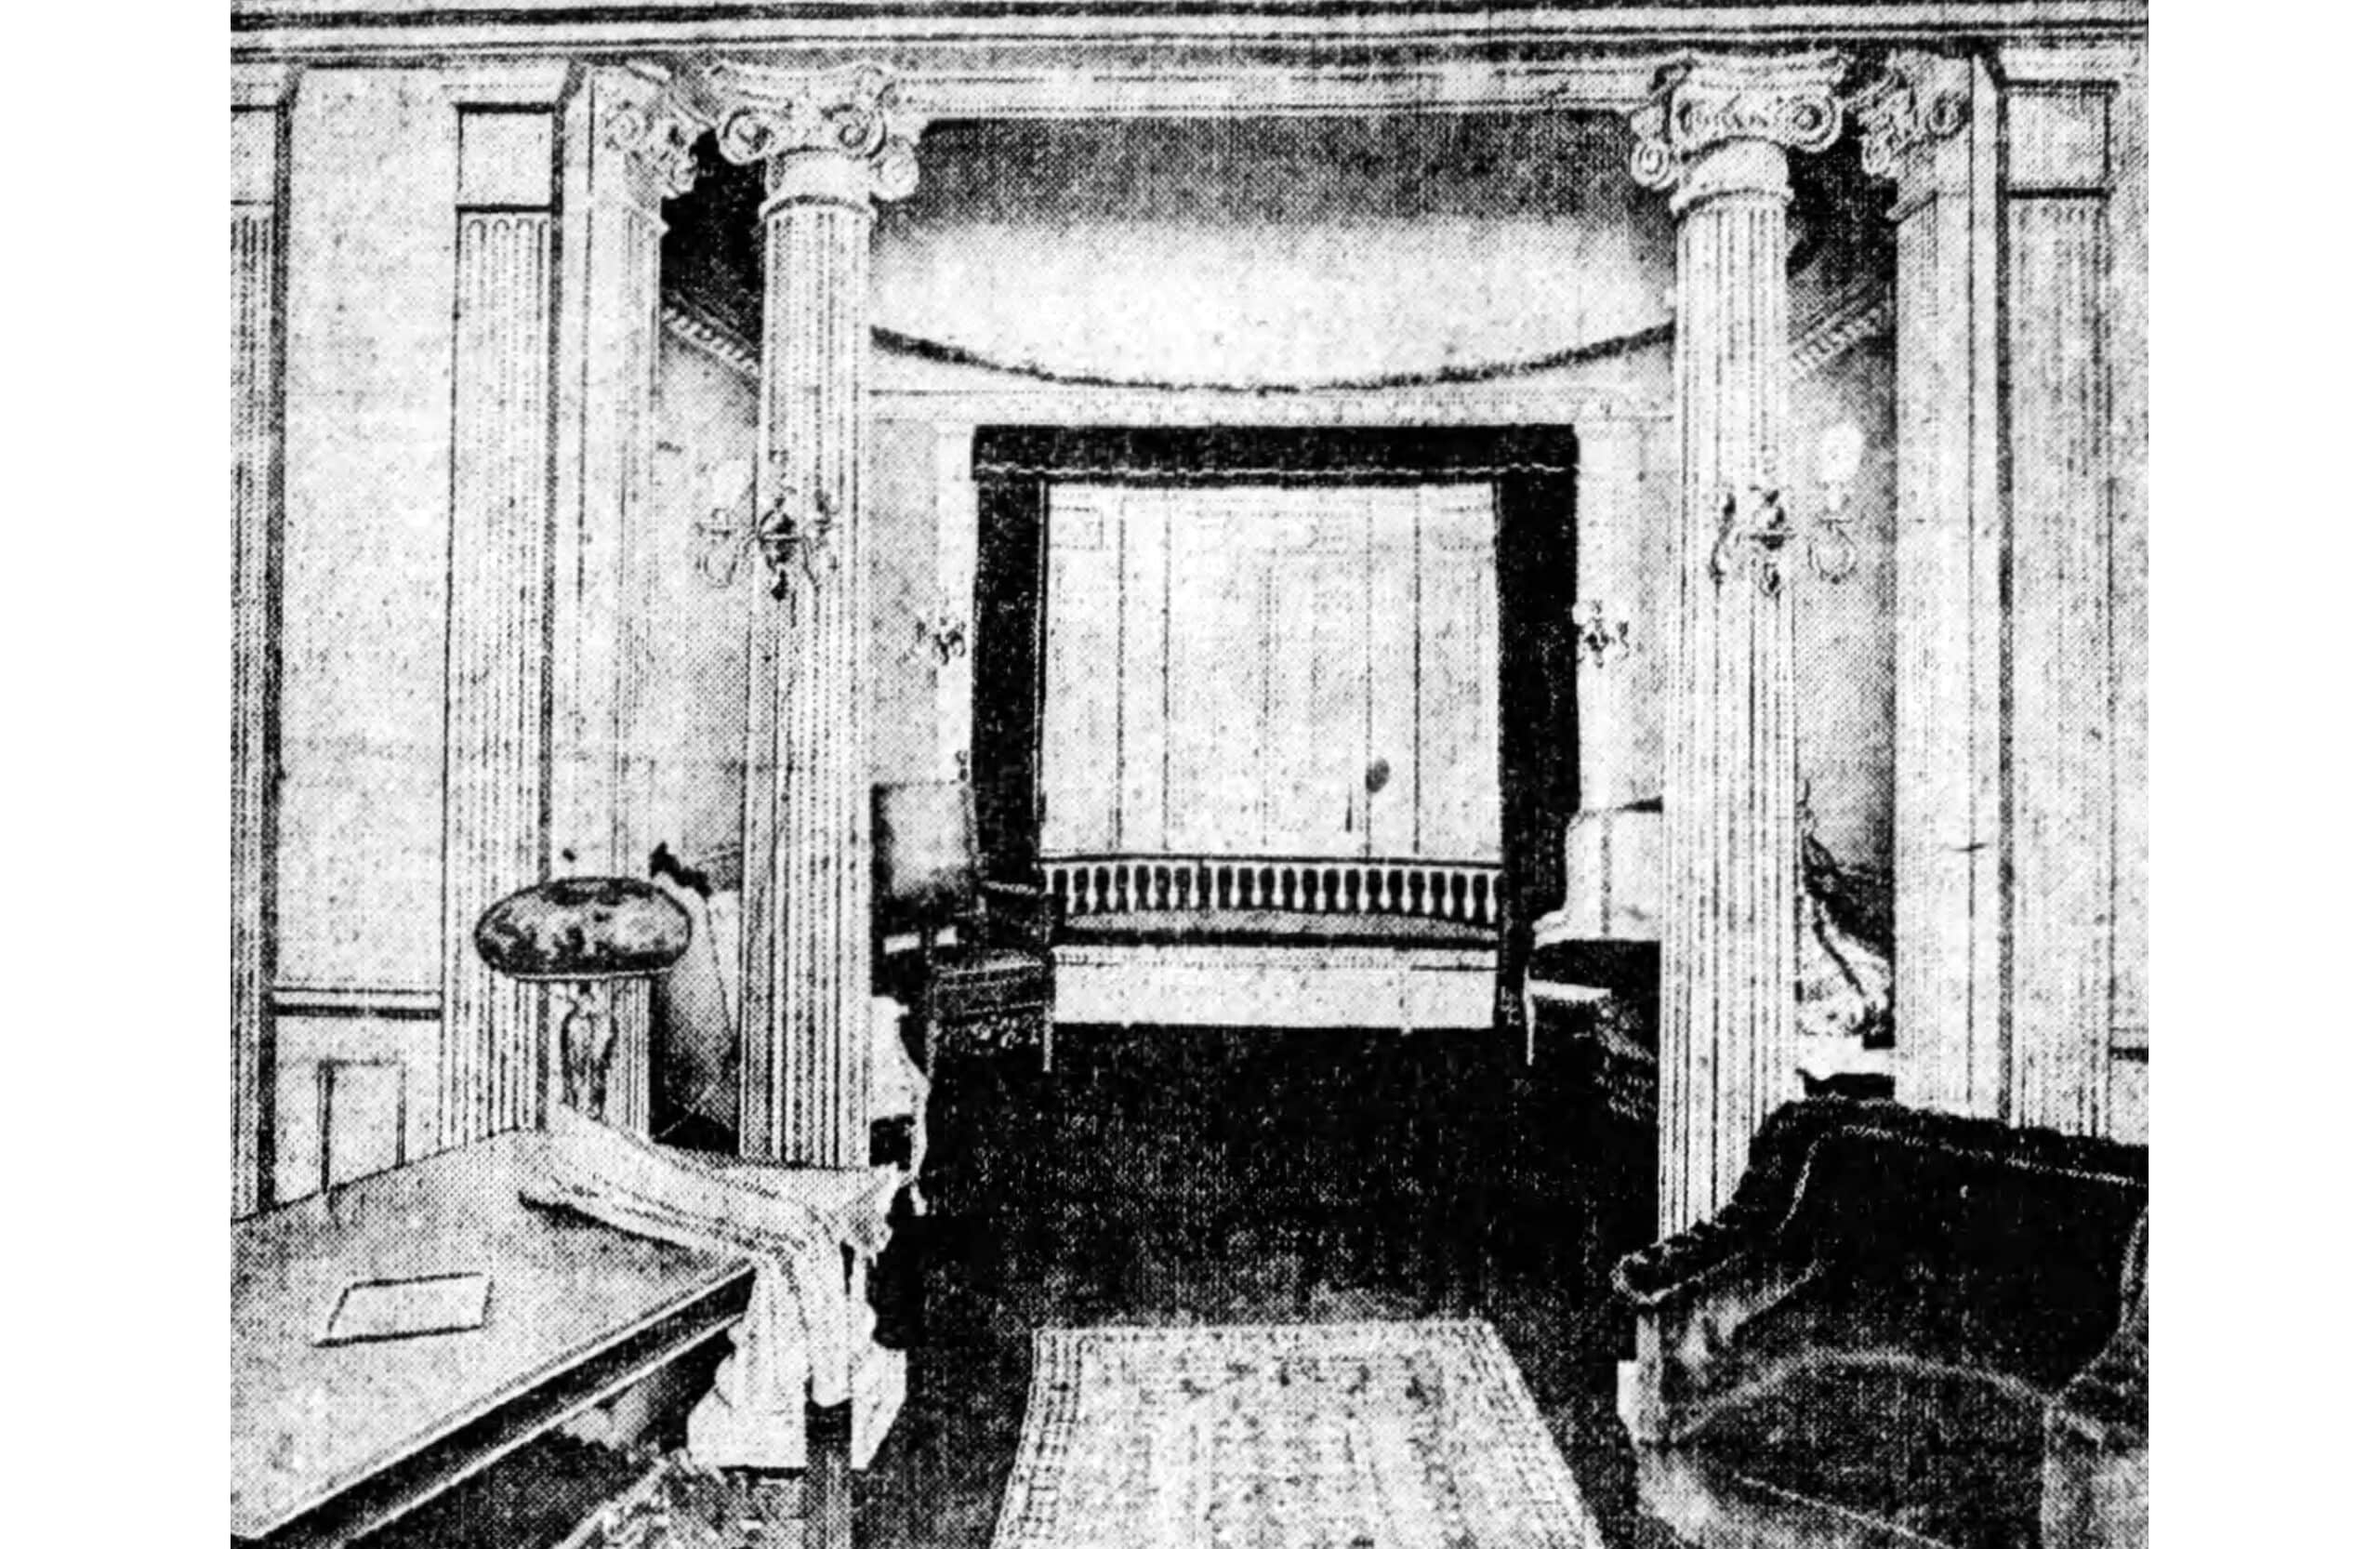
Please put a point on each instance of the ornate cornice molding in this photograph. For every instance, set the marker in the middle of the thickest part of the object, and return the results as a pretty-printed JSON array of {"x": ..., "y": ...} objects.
[
  {"x": 844, "y": 135},
  {"x": 727, "y": 348},
  {"x": 1918, "y": 100},
  {"x": 1862, "y": 314},
  {"x": 1712, "y": 101},
  {"x": 923, "y": 33}
]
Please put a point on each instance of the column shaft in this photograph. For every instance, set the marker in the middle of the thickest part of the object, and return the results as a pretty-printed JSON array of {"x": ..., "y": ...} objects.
[
  {"x": 1729, "y": 843},
  {"x": 807, "y": 905},
  {"x": 1728, "y": 858},
  {"x": 834, "y": 144}
]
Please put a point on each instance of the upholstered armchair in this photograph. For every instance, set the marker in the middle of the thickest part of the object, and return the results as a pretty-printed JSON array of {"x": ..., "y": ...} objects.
[
  {"x": 1930, "y": 1327},
  {"x": 969, "y": 956}
]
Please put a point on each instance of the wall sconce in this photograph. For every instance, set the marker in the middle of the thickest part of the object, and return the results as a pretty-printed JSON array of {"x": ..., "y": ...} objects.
[
  {"x": 944, "y": 636},
  {"x": 1754, "y": 531},
  {"x": 1598, "y": 637},
  {"x": 782, "y": 535}
]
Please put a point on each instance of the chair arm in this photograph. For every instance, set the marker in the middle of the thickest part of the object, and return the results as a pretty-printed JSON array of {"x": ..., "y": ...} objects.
[
  {"x": 2106, "y": 1403},
  {"x": 1017, "y": 912},
  {"x": 1700, "y": 1258},
  {"x": 2094, "y": 1447},
  {"x": 1688, "y": 1348}
]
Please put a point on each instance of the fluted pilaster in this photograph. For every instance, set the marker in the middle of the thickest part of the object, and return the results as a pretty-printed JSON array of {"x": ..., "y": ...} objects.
[
  {"x": 499, "y": 609},
  {"x": 639, "y": 152},
  {"x": 2077, "y": 565},
  {"x": 833, "y": 145},
  {"x": 258, "y": 136},
  {"x": 1718, "y": 133},
  {"x": 1931, "y": 124}
]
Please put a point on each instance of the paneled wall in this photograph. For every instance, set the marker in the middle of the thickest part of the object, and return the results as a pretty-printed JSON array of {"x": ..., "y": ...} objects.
[
  {"x": 403, "y": 608},
  {"x": 359, "y": 808},
  {"x": 686, "y": 735},
  {"x": 2076, "y": 274},
  {"x": 1268, "y": 672},
  {"x": 2021, "y": 774}
]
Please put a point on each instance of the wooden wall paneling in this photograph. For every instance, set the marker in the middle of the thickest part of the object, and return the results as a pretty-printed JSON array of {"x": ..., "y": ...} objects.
[
  {"x": 1393, "y": 622},
  {"x": 341, "y": 1081},
  {"x": 260, "y": 173},
  {"x": 367, "y": 489},
  {"x": 957, "y": 523},
  {"x": 1144, "y": 533},
  {"x": 1215, "y": 677},
  {"x": 1314, "y": 764},
  {"x": 1457, "y": 675},
  {"x": 1080, "y": 751},
  {"x": 905, "y": 584},
  {"x": 1228, "y": 664}
]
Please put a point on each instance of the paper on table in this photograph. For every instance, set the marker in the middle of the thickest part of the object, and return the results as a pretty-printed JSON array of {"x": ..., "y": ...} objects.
[{"x": 400, "y": 1309}]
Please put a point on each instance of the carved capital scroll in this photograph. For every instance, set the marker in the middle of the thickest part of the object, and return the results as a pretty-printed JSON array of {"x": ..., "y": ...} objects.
[
  {"x": 843, "y": 133},
  {"x": 1918, "y": 100},
  {"x": 1714, "y": 100},
  {"x": 657, "y": 137}
]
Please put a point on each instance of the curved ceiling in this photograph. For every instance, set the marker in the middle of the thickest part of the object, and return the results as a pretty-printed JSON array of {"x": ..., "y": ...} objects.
[{"x": 1238, "y": 253}]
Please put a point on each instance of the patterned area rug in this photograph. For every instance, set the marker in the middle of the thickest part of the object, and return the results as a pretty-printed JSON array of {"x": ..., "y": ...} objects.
[{"x": 1335, "y": 1435}]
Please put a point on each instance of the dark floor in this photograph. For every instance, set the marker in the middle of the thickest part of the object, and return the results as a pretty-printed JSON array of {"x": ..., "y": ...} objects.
[{"x": 1220, "y": 1176}]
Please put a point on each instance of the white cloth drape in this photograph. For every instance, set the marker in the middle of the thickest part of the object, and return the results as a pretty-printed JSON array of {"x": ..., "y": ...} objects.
[{"x": 808, "y": 1325}]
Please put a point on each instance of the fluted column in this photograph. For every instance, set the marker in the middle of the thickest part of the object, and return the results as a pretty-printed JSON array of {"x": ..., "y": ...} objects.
[
  {"x": 833, "y": 145},
  {"x": 1718, "y": 131}
]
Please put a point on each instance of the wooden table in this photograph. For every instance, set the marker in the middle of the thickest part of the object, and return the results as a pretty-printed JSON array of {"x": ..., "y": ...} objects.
[{"x": 330, "y": 1441}]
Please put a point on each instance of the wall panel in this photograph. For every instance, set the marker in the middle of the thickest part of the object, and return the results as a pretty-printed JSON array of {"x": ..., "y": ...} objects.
[
  {"x": 369, "y": 387},
  {"x": 1229, "y": 668}
]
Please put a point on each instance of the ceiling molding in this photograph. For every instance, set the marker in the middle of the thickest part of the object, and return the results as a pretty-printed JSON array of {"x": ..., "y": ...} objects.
[
  {"x": 959, "y": 38},
  {"x": 721, "y": 344},
  {"x": 1863, "y": 312}
]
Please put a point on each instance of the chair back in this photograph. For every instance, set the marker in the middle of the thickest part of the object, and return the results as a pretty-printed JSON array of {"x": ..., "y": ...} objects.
[{"x": 926, "y": 864}]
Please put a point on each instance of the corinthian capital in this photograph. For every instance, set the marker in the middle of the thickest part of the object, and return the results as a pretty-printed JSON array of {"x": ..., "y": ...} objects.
[
  {"x": 1918, "y": 98},
  {"x": 840, "y": 134},
  {"x": 1711, "y": 100}
]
